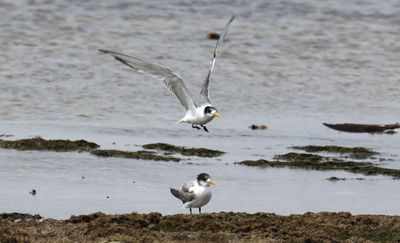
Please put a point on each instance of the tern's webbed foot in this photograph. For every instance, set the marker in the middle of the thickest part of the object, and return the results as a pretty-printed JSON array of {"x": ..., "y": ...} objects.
[
  {"x": 197, "y": 127},
  {"x": 205, "y": 128}
]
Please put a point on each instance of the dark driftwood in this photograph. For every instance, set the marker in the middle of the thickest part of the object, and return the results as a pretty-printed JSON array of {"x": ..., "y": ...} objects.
[{"x": 368, "y": 128}]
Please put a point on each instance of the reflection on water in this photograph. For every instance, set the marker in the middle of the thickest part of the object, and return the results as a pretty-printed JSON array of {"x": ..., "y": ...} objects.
[{"x": 288, "y": 64}]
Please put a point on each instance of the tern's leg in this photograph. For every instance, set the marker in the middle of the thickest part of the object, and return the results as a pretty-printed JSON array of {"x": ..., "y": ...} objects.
[
  {"x": 200, "y": 210},
  {"x": 190, "y": 210},
  {"x": 197, "y": 127},
  {"x": 205, "y": 128}
]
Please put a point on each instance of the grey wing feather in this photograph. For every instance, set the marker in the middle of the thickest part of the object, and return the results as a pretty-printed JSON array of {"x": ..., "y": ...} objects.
[
  {"x": 187, "y": 186},
  {"x": 183, "y": 196},
  {"x": 204, "y": 97},
  {"x": 171, "y": 80}
]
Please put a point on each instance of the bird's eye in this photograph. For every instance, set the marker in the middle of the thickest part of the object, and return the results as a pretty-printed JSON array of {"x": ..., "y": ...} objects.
[{"x": 207, "y": 109}]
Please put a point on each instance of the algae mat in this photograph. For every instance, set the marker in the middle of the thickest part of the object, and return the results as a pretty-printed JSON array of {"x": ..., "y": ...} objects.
[
  {"x": 317, "y": 162},
  {"x": 351, "y": 152},
  {"x": 62, "y": 145},
  {"x": 200, "y": 152},
  {"x": 217, "y": 227},
  {"x": 38, "y": 143}
]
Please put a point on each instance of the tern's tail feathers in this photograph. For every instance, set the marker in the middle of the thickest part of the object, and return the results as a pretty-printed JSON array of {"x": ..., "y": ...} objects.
[
  {"x": 175, "y": 193},
  {"x": 181, "y": 120}
]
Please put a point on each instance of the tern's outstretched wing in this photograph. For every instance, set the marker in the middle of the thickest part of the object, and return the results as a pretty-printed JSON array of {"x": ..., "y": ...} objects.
[
  {"x": 204, "y": 98},
  {"x": 171, "y": 80}
]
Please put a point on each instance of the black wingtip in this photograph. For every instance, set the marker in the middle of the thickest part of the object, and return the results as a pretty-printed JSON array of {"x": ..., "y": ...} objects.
[
  {"x": 122, "y": 60},
  {"x": 174, "y": 192},
  {"x": 103, "y": 51},
  {"x": 119, "y": 59},
  {"x": 231, "y": 19}
]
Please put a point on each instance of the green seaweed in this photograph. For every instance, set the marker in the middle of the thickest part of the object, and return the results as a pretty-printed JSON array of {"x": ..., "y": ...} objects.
[
  {"x": 201, "y": 152},
  {"x": 142, "y": 154},
  {"x": 317, "y": 162},
  {"x": 39, "y": 143},
  {"x": 300, "y": 157},
  {"x": 315, "y": 165},
  {"x": 353, "y": 152}
]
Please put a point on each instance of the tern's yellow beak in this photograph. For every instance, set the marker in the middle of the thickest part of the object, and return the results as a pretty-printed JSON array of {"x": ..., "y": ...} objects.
[
  {"x": 211, "y": 182},
  {"x": 216, "y": 114}
]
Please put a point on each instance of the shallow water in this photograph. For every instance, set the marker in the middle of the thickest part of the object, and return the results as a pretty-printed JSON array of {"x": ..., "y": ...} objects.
[{"x": 289, "y": 64}]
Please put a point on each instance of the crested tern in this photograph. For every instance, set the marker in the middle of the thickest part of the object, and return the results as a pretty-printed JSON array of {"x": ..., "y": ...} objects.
[
  {"x": 196, "y": 114},
  {"x": 195, "y": 193}
]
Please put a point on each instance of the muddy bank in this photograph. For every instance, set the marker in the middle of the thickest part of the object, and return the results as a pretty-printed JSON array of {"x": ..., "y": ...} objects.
[{"x": 216, "y": 227}]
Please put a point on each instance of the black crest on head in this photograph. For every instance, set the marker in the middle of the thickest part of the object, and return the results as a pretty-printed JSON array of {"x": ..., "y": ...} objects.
[
  {"x": 208, "y": 109},
  {"x": 203, "y": 177}
]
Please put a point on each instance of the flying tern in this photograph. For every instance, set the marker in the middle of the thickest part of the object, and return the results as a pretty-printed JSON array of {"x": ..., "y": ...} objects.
[{"x": 197, "y": 114}]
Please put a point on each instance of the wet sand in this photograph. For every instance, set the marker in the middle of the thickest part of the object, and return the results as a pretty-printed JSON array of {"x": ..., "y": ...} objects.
[{"x": 216, "y": 227}]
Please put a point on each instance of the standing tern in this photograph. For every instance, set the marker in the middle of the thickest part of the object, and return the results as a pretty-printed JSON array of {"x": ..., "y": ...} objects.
[
  {"x": 195, "y": 193},
  {"x": 196, "y": 114}
]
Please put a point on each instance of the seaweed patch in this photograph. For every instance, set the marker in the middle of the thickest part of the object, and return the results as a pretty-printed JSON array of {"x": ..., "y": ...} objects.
[
  {"x": 39, "y": 143},
  {"x": 142, "y": 154},
  {"x": 214, "y": 227},
  {"x": 317, "y": 162},
  {"x": 352, "y": 152},
  {"x": 200, "y": 152}
]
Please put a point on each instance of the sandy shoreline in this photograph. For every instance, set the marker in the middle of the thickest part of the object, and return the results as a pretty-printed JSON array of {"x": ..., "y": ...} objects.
[{"x": 217, "y": 227}]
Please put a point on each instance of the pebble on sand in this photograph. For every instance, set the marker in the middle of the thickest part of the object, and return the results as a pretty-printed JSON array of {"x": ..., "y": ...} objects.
[
  {"x": 258, "y": 127},
  {"x": 213, "y": 35}
]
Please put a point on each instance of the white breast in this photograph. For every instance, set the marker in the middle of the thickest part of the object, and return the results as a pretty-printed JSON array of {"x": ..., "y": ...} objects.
[
  {"x": 198, "y": 118},
  {"x": 202, "y": 197}
]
